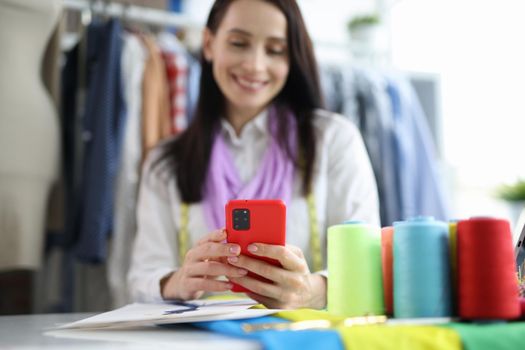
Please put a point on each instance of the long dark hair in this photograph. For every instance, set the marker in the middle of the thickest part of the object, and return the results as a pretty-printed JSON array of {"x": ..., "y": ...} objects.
[{"x": 189, "y": 154}]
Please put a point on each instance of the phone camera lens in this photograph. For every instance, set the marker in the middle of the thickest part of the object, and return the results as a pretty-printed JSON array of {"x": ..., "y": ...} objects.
[{"x": 241, "y": 219}]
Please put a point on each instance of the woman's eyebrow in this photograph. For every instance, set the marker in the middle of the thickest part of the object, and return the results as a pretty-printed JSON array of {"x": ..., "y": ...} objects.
[
  {"x": 246, "y": 33},
  {"x": 239, "y": 31}
]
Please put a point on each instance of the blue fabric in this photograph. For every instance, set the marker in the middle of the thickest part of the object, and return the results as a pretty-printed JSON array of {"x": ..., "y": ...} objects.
[
  {"x": 421, "y": 190},
  {"x": 277, "y": 340},
  {"x": 103, "y": 126}
]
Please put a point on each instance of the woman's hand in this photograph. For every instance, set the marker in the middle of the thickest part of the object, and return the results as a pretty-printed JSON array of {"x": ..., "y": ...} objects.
[
  {"x": 293, "y": 285},
  {"x": 202, "y": 265}
]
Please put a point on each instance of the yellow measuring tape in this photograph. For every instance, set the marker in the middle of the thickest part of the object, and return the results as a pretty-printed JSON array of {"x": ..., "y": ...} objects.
[
  {"x": 184, "y": 236},
  {"x": 315, "y": 240}
]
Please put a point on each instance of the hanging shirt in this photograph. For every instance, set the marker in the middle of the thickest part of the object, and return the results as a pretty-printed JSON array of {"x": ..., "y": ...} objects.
[
  {"x": 343, "y": 186},
  {"x": 376, "y": 124},
  {"x": 127, "y": 179},
  {"x": 104, "y": 123},
  {"x": 174, "y": 56},
  {"x": 420, "y": 186},
  {"x": 176, "y": 72},
  {"x": 188, "y": 80},
  {"x": 156, "y": 124}
]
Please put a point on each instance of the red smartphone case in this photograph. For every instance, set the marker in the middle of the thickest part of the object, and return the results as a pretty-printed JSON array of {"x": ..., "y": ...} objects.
[{"x": 267, "y": 224}]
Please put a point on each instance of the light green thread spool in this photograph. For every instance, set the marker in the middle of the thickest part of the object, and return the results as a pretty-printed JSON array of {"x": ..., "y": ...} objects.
[{"x": 355, "y": 286}]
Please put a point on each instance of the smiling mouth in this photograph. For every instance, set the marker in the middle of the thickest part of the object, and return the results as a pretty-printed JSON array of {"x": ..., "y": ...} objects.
[{"x": 250, "y": 85}]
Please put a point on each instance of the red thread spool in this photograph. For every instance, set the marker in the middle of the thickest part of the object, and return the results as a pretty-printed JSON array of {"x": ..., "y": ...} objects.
[
  {"x": 486, "y": 272},
  {"x": 387, "y": 234}
]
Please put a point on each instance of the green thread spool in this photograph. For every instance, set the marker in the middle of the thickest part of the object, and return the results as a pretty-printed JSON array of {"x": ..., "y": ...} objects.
[{"x": 355, "y": 285}]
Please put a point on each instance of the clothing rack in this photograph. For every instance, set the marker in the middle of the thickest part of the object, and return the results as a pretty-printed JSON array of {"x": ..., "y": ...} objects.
[
  {"x": 133, "y": 13},
  {"x": 336, "y": 52}
]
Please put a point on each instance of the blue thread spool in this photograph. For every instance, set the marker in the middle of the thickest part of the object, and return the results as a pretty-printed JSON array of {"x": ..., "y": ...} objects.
[{"x": 421, "y": 268}]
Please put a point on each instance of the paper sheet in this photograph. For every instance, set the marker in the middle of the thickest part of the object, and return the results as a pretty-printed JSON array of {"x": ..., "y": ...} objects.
[{"x": 137, "y": 314}]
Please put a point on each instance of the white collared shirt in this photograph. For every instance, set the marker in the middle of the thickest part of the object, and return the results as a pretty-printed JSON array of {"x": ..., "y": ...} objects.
[{"x": 343, "y": 183}]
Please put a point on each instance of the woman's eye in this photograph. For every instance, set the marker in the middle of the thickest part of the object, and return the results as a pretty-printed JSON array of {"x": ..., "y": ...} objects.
[
  {"x": 276, "y": 52},
  {"x": 238, "y": 44}
]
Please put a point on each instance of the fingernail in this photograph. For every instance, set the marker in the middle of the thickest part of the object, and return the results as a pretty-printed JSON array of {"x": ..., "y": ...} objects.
[
  {"x": 233, "y": 259},
  {"x": 252, "y": 248},
  {"x": 235, "y": 249},
  {"x": 242, "y": 272}
]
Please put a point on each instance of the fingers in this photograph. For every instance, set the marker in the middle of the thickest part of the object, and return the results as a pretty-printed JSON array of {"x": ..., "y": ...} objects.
[
  {"x": 202, "y": 265},
  {"x": 208, "y": 285},
  {"x": 258, "y": 287},
  {"x": 296, "y": 250},
  {"x": 290, "y": 257},
  {"x": 213, "y": 268},
  {"x": 210, "y": 249},
  {"x": 215, "y": 236},
  {"x": 261, "y": 268},
  {"x": 180, "y": 285},
  {"x": 268, "y": 302}
]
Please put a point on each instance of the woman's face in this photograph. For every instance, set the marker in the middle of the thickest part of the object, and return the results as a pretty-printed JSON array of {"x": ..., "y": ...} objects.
[{"x": 249, "y": 54}]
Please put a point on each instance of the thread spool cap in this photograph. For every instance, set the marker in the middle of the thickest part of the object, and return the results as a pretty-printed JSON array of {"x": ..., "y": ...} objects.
[
  {"x": 419, "y": 220},
  {"x": 354, "y": 222},
  {"x": 483, "y": 219}
]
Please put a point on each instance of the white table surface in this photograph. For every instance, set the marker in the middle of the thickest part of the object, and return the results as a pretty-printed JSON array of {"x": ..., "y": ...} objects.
[{"x": 35, "y": 332}]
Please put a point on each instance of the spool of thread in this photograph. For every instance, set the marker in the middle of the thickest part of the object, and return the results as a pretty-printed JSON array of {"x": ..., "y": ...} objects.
[
  {"x": 452, "y": 240},
  {"x": 487, "y": 287},
  {"x": 387, "y": 234},
  {"x": 355, "y": 285},
  {"x": 421, "y": 269}
]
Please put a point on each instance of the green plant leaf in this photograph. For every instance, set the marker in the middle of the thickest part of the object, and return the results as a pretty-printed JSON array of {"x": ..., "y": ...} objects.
[
  {"x": 514, "y": 192},
  {"x": 365, "y": 20}
]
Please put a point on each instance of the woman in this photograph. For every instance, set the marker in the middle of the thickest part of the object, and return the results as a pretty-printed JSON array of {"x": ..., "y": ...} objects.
[{"x": 258, "y": 133}]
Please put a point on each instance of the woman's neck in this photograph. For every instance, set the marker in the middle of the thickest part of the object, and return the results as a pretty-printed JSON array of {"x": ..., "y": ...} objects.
[{"x": 238, "y": 118}]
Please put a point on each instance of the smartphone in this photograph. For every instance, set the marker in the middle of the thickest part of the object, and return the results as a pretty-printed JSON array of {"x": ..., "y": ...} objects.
[{"x": 255, "y": 221}]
